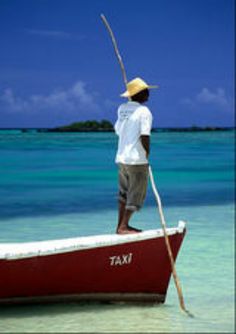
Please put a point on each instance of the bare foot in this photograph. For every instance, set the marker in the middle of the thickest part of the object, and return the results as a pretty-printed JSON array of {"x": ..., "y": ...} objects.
[{"x": 128, "y": 230}]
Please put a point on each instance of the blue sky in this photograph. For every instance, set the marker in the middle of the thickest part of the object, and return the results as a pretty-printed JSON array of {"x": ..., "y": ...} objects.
[{"x": 57, "y": 63}]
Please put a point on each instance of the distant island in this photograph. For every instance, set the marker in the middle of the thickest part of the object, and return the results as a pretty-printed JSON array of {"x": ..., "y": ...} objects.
[
  {"x": 194, "y": 129},
  {"x": 106, "y": 126},
  {"x": 87, "y": 126}
]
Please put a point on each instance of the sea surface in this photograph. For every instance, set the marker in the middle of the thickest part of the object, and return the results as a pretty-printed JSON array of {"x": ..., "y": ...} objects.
[{"x": 55, "y": 185}]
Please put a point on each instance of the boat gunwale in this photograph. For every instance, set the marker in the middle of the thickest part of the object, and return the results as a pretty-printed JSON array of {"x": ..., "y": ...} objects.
[{"x": 42, "y": 248}]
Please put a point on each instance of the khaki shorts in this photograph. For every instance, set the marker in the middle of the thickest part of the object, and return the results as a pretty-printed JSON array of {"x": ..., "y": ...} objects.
[{"x": 133, "y": 181}]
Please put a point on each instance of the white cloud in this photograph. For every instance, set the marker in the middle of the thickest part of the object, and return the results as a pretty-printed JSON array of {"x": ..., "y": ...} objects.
[
  {"x": 11, "y": 102},
  {"x": 56, "y": 34},
  {"x": 75, "y": 99},
  {"x": 187, "y": 101},
  {"x": 218, "y": 99}
]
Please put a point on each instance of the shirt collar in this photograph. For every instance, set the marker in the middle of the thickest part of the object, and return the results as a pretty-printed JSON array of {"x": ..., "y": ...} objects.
[{"x": 134, "y": 103}]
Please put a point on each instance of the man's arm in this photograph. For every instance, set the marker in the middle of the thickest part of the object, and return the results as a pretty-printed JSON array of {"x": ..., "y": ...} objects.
[
  {"x": 145, "y": 140},
  {"x": 116, "y": 127}
]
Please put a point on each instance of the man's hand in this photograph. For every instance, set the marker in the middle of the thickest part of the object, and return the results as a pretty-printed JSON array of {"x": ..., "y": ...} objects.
[{"x": 145, "y": 140}]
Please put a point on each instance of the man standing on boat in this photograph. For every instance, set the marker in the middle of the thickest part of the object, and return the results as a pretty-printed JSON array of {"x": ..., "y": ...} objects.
[{"x": 133, "y": 127}]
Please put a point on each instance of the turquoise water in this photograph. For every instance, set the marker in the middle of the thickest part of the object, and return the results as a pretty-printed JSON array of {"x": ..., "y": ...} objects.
[{"x": 65, "y": 185}]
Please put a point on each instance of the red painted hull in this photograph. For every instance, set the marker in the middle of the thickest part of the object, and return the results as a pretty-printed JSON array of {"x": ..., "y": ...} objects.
[{"x": 137, "y": 270}]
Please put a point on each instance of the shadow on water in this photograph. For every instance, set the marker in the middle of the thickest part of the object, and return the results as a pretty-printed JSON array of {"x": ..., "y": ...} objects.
[
  {"x": 49, "y": 309},
  {"x": 96, "y": 317}
]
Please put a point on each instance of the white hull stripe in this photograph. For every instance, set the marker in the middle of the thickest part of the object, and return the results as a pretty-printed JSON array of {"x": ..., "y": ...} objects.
[{"x": 12, "y": 251}]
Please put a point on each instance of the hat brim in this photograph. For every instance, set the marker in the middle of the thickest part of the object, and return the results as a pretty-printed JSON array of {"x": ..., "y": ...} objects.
[{"x": 127, "y": 94}]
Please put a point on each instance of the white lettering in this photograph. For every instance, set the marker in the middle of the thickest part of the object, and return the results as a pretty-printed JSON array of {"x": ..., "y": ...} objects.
[
  {"x": 112, "y": 258},
  {"x": 130, "y": 258},
  {"x": 119, "y": 260},
  {"x": 125, "y": 258}
]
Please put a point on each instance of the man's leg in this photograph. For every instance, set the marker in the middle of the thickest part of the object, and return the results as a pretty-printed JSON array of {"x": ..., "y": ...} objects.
[
  {"x": 123, "y": 220},
  {"x": 121, "y": 212},
  {"x": 124, "y": 214},
  {"x": 137, "y": 179}
]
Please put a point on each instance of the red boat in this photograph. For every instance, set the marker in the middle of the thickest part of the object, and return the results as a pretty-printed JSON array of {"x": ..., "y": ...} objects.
[{"x": 133, "y": 267}]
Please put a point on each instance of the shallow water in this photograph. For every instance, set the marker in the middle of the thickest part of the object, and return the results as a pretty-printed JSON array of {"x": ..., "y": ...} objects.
[{"x": 58, "y": 186}]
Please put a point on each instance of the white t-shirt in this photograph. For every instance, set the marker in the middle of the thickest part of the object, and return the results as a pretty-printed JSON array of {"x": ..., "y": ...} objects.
[{"x": 134, "y": 120}]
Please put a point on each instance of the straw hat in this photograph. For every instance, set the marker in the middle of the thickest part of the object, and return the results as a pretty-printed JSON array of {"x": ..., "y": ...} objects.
[{"x": 135, "y": 86}]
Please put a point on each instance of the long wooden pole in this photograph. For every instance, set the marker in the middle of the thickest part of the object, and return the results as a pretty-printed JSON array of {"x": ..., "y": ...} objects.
[
  {"x": 158, "y": 199},
  {"x": 116, "y": 48},
  {"x": 163, "y": 223}
]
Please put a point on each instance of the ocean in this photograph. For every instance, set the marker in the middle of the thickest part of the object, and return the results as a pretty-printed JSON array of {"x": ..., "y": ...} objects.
[{"x": 62, "y": 185}]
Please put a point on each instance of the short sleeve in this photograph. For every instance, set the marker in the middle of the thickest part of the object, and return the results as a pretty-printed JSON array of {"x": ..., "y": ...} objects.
[{"x": 145, "y": 122}]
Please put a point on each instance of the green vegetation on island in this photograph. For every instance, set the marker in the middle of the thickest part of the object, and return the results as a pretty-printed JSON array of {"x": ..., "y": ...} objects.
[
  {"x": 106, "y": 126},
  {"x": 87, "y": 126},
  {"x": 194, "y": 128}
]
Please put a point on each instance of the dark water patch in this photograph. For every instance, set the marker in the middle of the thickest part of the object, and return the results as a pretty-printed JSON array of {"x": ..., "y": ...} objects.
[{"x": 102, "y": 202}]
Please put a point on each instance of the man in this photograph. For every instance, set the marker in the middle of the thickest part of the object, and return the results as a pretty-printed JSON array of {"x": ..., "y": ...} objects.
[{"x": 133, "y": 127}]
